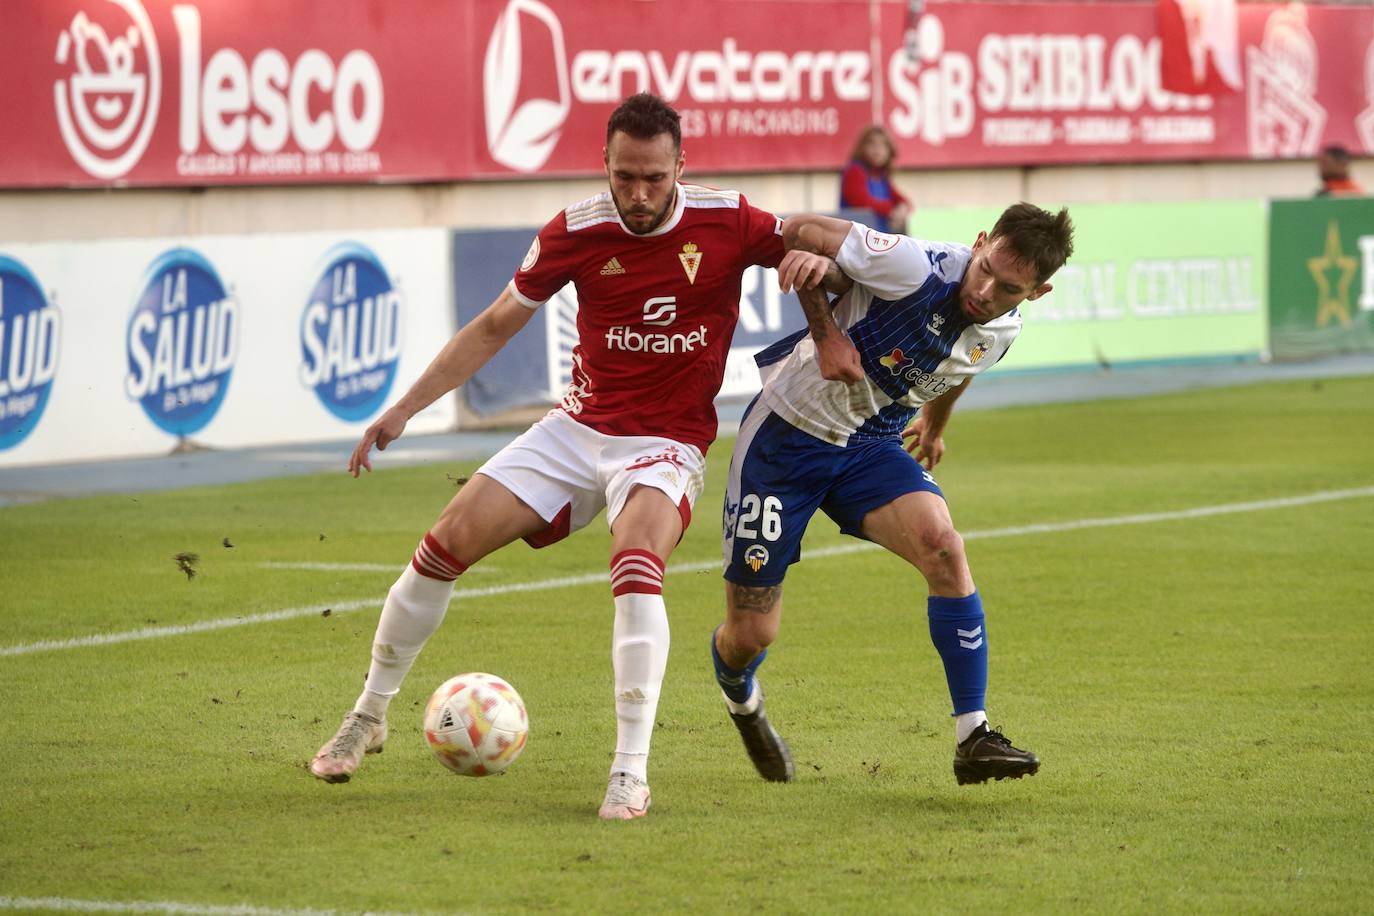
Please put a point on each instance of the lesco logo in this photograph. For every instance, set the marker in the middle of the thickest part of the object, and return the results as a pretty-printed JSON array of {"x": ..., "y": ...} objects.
[
  {"x": 182, "y": 341},
  {"x": 30, "y": 338},
  {"x": 107, "y": 105},
  {"x": 351, "y": 332},
  {"x": 521, "y": 134}
]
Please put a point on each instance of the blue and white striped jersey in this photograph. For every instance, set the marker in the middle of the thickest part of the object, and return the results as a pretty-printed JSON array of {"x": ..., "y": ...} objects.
[{"x": 914, "y": 341}]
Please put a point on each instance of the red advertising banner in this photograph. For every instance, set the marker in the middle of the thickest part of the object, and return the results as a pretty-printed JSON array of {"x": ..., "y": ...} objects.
[
  {"x": 195, "y": 92},
  {"x": 151, "y": 92},
  {"x": 1056, "y": 83}
]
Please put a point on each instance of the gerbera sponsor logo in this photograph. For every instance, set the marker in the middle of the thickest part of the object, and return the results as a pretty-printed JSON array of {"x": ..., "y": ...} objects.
[
  {"x": 352, "y": 332},
  {"x": 522, "y": 126},
  {"x": 182, "y": 342},
  {"x": 30, "y": 340},
  {"x": 896, "y": 362},
  {"x": 107, "y": 98}
]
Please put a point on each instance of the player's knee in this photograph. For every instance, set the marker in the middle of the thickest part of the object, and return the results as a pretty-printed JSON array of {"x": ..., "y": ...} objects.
[
  {"x": 941, "y": 552},
  {"x": 453, "y": 534},
  {"x": 751, "y": 640},
  {"x": 752, "y": 623}
]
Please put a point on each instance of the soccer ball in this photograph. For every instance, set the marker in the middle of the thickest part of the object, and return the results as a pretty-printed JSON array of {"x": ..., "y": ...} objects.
[{"x": 476, "y": 724}]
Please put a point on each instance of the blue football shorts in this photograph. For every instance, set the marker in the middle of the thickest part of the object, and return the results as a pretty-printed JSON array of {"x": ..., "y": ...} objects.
[{"x": 780, "y": 476}]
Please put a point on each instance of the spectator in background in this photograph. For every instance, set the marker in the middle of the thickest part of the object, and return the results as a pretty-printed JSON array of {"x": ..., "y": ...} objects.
[
  {"x": 1333, "y": 165},
  {"x": 867, "y": 181}
]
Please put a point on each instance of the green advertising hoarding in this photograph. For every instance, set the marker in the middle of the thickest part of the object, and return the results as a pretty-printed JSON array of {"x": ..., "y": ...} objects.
[
  {"x": 1321, "y": 276},
  {"x": 1147, "y": 282}
]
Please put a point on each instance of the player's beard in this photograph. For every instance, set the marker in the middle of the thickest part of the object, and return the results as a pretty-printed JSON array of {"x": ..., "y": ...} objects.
[{"x": 659, "y": 218}]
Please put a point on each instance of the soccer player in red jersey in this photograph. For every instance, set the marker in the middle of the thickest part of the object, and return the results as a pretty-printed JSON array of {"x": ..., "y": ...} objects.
[{"x": 657, "y": 265}]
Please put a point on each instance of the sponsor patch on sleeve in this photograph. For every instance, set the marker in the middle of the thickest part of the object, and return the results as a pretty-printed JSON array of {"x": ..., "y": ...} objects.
[
  {"x": 879, "y": 241},
  {"x": 531, "y": 256}
]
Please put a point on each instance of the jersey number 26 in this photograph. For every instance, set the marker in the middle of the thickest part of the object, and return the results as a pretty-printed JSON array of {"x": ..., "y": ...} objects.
[{"x": 766, "y": 511}]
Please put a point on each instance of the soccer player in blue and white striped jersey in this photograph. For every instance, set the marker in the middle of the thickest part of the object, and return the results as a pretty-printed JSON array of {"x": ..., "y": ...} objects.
[{"x": 886, "y": 361}]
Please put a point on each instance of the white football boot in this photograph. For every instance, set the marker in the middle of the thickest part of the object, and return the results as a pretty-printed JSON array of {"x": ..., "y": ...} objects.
[
  {"x": 627, "y": 797},
  {"x": 359, "y": 734}
]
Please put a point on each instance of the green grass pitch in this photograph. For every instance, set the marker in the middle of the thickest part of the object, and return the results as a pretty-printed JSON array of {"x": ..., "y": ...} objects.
[{"x": 1199, "y": 687}]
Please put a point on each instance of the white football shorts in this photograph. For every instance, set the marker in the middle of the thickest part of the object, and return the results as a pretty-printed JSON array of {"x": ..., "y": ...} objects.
[{"x": 568, "y": 472}]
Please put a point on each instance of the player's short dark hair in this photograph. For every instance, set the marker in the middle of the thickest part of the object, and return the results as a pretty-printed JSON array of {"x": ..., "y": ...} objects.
[
  {"x": 1036, "y": 237},
  {"x": 645, "y": 116},
  {"x": 1336, "y": 153}
]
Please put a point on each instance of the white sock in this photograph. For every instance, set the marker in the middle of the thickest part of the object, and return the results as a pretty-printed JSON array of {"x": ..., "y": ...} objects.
[
  {"x": 372, "y": 704},
  {"x": 967, "y": 723},
  {"x": 639, "y": 655},
  {"x": 414, "y": 608}
]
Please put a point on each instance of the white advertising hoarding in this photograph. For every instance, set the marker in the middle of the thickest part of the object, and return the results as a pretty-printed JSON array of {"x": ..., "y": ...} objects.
[{"x": 127, "y": 348}]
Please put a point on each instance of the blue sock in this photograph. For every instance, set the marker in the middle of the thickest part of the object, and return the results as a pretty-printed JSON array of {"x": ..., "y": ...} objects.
[
  {"x": 737, "y": 683},
  {"x": 956, "y": 629}
]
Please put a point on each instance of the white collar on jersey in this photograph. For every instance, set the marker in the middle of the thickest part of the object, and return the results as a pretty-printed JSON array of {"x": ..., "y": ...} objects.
[{"x": 669, "y": 224}]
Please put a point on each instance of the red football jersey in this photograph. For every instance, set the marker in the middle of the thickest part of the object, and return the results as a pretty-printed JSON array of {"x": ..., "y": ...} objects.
[{"x": 655, "y": 312}]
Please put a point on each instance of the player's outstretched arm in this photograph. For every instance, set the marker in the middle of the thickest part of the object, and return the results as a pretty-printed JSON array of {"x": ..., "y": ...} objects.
[
  {"x": 801, "y": 269},
  {"x": 815, "y": 233},
  {"x": 836, "y": 355},
  {"x": 808, "y": 268},
  {"x": 927, "y": 430},
  {"x": 465, "y": 353}
]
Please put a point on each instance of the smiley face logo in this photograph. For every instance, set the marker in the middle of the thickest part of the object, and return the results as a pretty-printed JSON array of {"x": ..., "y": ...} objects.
[{"x": 107, "y": 104}]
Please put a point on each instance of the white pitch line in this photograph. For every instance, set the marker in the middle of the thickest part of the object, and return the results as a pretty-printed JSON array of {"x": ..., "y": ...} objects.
[
  {"x": 358, "y": 567},
  {"x": 106, "y": 639},
  {"x": 1146, "y": 518},
  {"x": 334, "y": 567},
  {"x": 112, "y": 906},
  {"x": 340, "y": 607}
]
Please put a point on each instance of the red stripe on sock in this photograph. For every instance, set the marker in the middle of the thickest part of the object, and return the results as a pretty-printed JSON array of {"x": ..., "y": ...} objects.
[
  {"x": 433, "y": 561},
  {"x": 639, "y": 553},
  {"x": 636, "y": 571}
]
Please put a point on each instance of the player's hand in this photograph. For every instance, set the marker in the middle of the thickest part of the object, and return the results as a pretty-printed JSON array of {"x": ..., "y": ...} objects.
[
  {"x": 925, "y": 447},
  {"x": 839, "y": 358},
  {"x": 801, "y": 270},
  {"x": 898, "y": 218},
  {"x": 385, "y": 431}
]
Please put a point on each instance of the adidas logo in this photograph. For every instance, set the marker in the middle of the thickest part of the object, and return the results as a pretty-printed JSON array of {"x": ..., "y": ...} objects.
[
  {"x": 611, "y": 268},
  {"x": 633, "y": 695}
]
